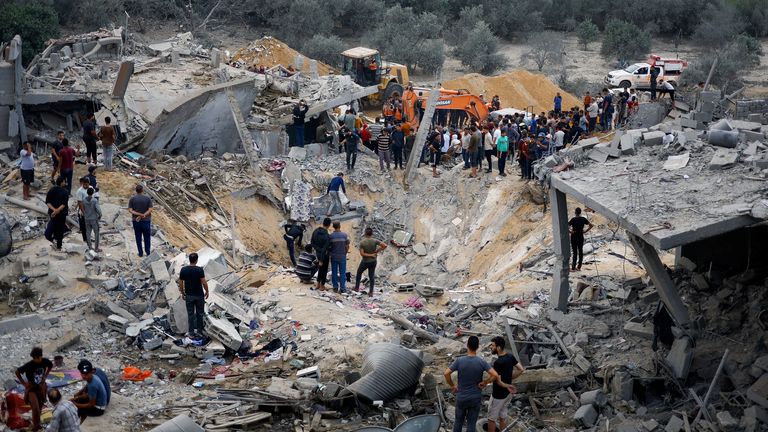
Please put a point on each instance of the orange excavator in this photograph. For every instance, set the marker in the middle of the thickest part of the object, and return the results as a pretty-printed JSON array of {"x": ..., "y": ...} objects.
[{"x": 415, "y": 99}]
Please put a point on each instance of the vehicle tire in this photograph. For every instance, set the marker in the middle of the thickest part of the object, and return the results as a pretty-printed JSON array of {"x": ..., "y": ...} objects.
[
  {"x": 393, "y": 89},
  {"x": 625, "y": 83}
]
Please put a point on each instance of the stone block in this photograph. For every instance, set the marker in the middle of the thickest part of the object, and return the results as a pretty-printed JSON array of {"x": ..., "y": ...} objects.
[
  {"x": 223, "y": 331},
  {"x": 723, "y": 158},
  {"x": 299, "y": 153},
  {"x": 643, "y": 330},
  {"x": 627, "y": 144},
  {"x": 598, "y": 155},
  {"x": 622, "y": 385},
  {"x": 758, "y": 392},
  {"x": 680, "y": 357},
  {"x": 58, "y": 345},
  {"x": 726, "y": 421},
  {"x": 723, "y": 125},
  {"x": 746, "y": 125},
  {"x": 653, "y": 138},
  {"x": 703, "y": 116},
  {"x": 160, "y": 272},
  {"x": 589, "y": 142},
  {"x": 753, "y": 136},
  {"x": 284, "y": 388},
  {"x": 314, "y": 150},
  {"x": 585, "y": 416},
  {"x": 594, "y": 397},
  {"x": 689, "y": 123},
  {"x": 755, "y": 117},
  {"x": 177, "y": 316},
  {"x": 650, "y": 425},
  {"x": 674, "y": 424},
  {"x": 617, "y": 139}
]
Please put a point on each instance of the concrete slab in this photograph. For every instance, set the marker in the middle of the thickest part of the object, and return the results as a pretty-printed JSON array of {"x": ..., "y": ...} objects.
[
  {"x": 653, "y": 138},
  {"x": 12, "y": 325},
  {"x": 598, "y": 155},
  {"x": 758, "y": 392},
  {"x": 723, "y": 158},
  {"x": 585, "y": 416},
  {"x": 680, "y": 357},
  {"x": 160, "y": 272}
]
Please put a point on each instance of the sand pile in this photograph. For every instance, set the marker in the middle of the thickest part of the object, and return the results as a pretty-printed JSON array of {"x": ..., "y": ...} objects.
[
  {"x": 517, "y": 89},
  {"x": 269, "y": 52}
]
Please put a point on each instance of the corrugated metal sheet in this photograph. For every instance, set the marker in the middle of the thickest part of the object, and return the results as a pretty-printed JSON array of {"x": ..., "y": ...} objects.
[{"x": 387, "y": 370}]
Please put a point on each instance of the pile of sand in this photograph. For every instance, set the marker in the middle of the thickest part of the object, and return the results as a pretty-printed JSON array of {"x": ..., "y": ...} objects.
[
  {"x": 270, "y": 52},
  {"x": 517, "y": 89}
]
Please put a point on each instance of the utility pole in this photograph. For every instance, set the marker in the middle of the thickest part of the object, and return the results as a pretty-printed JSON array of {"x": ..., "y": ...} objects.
[{"x": 421, "y": 135}]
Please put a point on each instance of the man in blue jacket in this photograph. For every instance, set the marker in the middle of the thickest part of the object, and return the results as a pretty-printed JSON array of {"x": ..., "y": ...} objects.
[{"x": 333, "y": 190}]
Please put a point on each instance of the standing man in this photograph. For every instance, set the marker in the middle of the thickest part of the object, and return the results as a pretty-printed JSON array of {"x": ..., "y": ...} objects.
[
  {"x": 502, "y": 151},
  {"x": 559, "y": 138},
  {"x": 508, "y": 368},
  {"x": 294, "y": 232},
  {"x": 338, "y": 251},
  {"x": 474, "y": 144},
  {"x": 65, "y": 417},
  {"x": 435, "y": 144},
  {"x": 81, "y": 194},
  {"x": 607, "y": 120},
  {"x": 92, "y": 215},
  {"x": 57, "y": 145},
  {"x": 27, "y": 168},
  {"x": 383, "y": 149},
  {"x": 321, "y": 243},
  {"x": 654, "y": 77},
  {"x": 194, "y": 290},
  {"x": 299, "y": 111},
  {"x": 34, "y": 374},
  {"x": 558, "y": 103},
  {"x": 369, "y": 250},
  {"x": 488, "y": 143},
  {"x": 398, "y": 143},
  {"x": 469, "y": 394},
  {"x": 92, "y": 400},
  {"x": 57, "y": 201},
  {"x": 576, "y": 228},
  {"x": 89, "y": 138},
  {"x": 465, "y": 153},
  {"x": 140, "y": 207},
  {"x": 333, "y": 190},
  {"x": 67, "y": 163},
  {"x": 107, "y": 135},
  {"x": 351, "y": 142}
]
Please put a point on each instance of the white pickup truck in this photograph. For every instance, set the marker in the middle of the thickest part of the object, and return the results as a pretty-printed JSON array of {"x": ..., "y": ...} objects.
[{"x": 638, "y": 75}]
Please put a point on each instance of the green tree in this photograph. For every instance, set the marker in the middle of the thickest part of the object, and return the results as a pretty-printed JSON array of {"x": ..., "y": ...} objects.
[
  {"x": 479, "y": 50},
  {"x": 400, "y": 30},
  {"x": 301, "y": 20},
  {"x": 35, "y": 23},
  {"x": 587, "y": 32},
  {"x": 733, "y": 60},
  {"x": 468, "y": 16},
  {"x": 720, "y": 23},
  {"x": 431, "y": 55},
  {"x": 326, "y": 49},
  {"x": 624, "y": 41},
  {"x": 544, "y": 48}
]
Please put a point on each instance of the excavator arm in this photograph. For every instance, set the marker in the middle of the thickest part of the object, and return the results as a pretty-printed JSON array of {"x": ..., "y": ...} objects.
[{"x": 449, "y": 100}]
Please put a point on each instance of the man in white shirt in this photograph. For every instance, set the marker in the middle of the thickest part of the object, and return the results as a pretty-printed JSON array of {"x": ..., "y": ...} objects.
[
  {"x": 488, "y": 144},
  {"x": 446, "y": 140},
  {"x": 559, "y": 138},
  {"x": 669, "y": 89}
]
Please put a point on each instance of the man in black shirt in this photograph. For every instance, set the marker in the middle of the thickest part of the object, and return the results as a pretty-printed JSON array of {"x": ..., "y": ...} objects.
[
  {"x": 191, "y": 284},
  {"x": 35, "y": 371},
  {"x": 576, "y": 228},
  {"x": 294, "y": 232},
  {"x": 57, "y": 202},
  {"x": 89, "y": 138},
  {"x": 321, "y": 243},
  {"x": 299, "y": 111},
  {"x": 508, "y": 368}
]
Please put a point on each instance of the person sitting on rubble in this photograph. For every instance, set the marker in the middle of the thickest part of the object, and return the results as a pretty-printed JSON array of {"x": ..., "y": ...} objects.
[
  {"x": 34, "y": 373},
  {"x": 92, "y": 400},
  {"x": 294, "y": 232},
  {"x": 307, "y": 265},
  {"x": 65, "y": 418}
]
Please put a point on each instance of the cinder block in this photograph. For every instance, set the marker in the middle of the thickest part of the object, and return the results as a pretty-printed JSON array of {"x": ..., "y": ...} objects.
[
  {"x": 639, "y": 329},
  {"x": 702, "y": 116},
  {"x": 688, "y": 123},
  {"x": 653, "y": 138},
  {"x": 753, "y": 136},
  {"x": 680, "y": 357},
  {"x": 627, "y": 144},
  {"x": 160, "y": 271},
  {"x": 585, "y": 416}
]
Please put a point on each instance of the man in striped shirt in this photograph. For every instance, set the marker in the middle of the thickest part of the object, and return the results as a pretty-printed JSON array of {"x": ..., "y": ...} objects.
[
  {"x": 383, "y": 146},
  {"x": 375, "y": 129}
]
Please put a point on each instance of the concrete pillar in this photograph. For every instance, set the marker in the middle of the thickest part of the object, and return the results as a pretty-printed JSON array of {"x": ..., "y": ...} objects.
[
  {"x": 421, "y": 135},
  {"x": 664, "y": 285},
  {"x": 562, "y": 246}
]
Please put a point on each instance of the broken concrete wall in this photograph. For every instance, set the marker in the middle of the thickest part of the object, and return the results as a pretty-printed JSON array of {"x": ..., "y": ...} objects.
[
  {"x": 271, "y": 142},
  {"x": 201, "y": 121}
]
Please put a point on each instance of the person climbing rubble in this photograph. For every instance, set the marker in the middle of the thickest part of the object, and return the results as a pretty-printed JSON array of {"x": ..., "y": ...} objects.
[
  {"x": 33, "y": 375},
  {"x": 294, "y": 233},
  {"x": 333, "y": 190},
  {"x": 508, "y": 368},
  {"x": 469, "y": 393}
]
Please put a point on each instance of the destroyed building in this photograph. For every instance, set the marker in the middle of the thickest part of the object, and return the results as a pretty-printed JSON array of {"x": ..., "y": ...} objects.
[{"x": 210, "y": 141}]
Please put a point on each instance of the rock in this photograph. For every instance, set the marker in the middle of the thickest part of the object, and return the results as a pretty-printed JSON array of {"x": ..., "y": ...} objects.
[
  {"x": 420, "y": 249},
  {"x": 758, "y": 392},
  {"x": 585, "y": 416},
  {"x": 726, "y": 421},
  {"x": 160, "y": 272},
  {"x": 579, "y": 322},
  {"x": 581, "y": 338},
  {"x": 674, "y": 424},
  {"x": 594, "y": 397},
  {"x": 494, "y": 287}
]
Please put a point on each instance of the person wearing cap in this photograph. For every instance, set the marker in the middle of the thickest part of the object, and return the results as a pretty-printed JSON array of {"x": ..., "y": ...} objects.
[
  {"x": 65, "y": 418},
  {"x": 92, "y": 400},
  {"x": 333, "y": 190},
  {"x": 33, "y": 375}
]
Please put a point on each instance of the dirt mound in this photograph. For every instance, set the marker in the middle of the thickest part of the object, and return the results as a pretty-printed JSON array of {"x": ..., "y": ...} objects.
[
  {"x": 517, "y": 89},
  {"x": 269, "y": 52}
]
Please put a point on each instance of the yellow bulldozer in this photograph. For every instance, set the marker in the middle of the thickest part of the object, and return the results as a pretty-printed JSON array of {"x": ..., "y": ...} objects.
[{"x": 366, "y": 68}]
